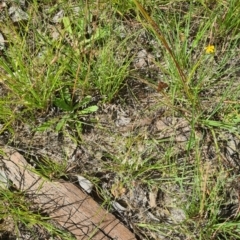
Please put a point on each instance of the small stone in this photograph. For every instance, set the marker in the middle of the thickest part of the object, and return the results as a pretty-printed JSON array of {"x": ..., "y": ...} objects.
[
  {"x": 2, "y": 42},
  {"x": 17, "y": 14},
  {"x": 118, "y": 207},
  {"x": 85, "y": 183},
  {"x": 177, "y": 215},
  {"x": 58, "y": 17}
]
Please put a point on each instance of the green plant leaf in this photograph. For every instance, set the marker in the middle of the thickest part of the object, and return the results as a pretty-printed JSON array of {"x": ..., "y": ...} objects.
[
  {"x": 43, "y": 127},
  {"x": 88, "y": 110},
  {"x": 67, "y": 25},
  {"x": 61, "y": 103},
  {"x": 83, "y": 102},
  {"x": 61, "y": 124}
]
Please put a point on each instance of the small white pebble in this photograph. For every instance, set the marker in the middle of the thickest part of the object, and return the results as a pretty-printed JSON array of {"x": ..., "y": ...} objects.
[{"x": 85, "y": 183}]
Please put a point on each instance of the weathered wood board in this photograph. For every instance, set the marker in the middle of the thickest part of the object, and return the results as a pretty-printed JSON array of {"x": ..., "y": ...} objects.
[{"x": 68, "y": 205}]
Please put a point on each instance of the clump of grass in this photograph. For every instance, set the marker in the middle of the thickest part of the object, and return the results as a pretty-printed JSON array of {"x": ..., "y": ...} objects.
[
  {"x": 16, "y": 209},
  {"x": 181, "y": 46},
  {"x": 198, "y": 42},
  {"x": 110, "y": 71}
]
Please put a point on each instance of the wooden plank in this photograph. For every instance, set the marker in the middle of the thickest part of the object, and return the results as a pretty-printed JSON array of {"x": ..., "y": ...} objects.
[{"x": 67, "y": 204}]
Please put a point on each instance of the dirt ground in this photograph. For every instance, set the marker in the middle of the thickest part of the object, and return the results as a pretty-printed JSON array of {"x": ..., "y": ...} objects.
[{"x": 129, "y": 134}]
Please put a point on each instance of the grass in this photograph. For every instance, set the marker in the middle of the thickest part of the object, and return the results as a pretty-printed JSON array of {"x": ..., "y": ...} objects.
[
  {"x": 83, "y": 64},
  {"x": 17, "y": 210}
]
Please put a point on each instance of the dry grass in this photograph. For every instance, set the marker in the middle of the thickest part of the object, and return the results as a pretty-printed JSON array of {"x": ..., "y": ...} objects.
[{"x": 88, "y": 81}]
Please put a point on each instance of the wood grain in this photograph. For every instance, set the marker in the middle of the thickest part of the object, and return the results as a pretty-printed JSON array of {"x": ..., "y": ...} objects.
[{"x": 66, "y": 203}]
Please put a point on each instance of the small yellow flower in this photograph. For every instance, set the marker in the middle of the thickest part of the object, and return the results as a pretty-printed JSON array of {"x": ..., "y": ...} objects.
[{"x": 210, "y": 49}]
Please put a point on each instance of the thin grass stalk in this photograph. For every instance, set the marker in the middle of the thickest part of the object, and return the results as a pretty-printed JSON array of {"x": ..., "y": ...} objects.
[{"x": 160, "y": 36}]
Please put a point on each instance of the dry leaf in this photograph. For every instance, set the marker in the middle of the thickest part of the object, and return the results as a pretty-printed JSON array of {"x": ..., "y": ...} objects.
[
  {"x": 152, "y": 199},
  {"x": 118, "y": 190},
  {"x": 162, "y": 86}
]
